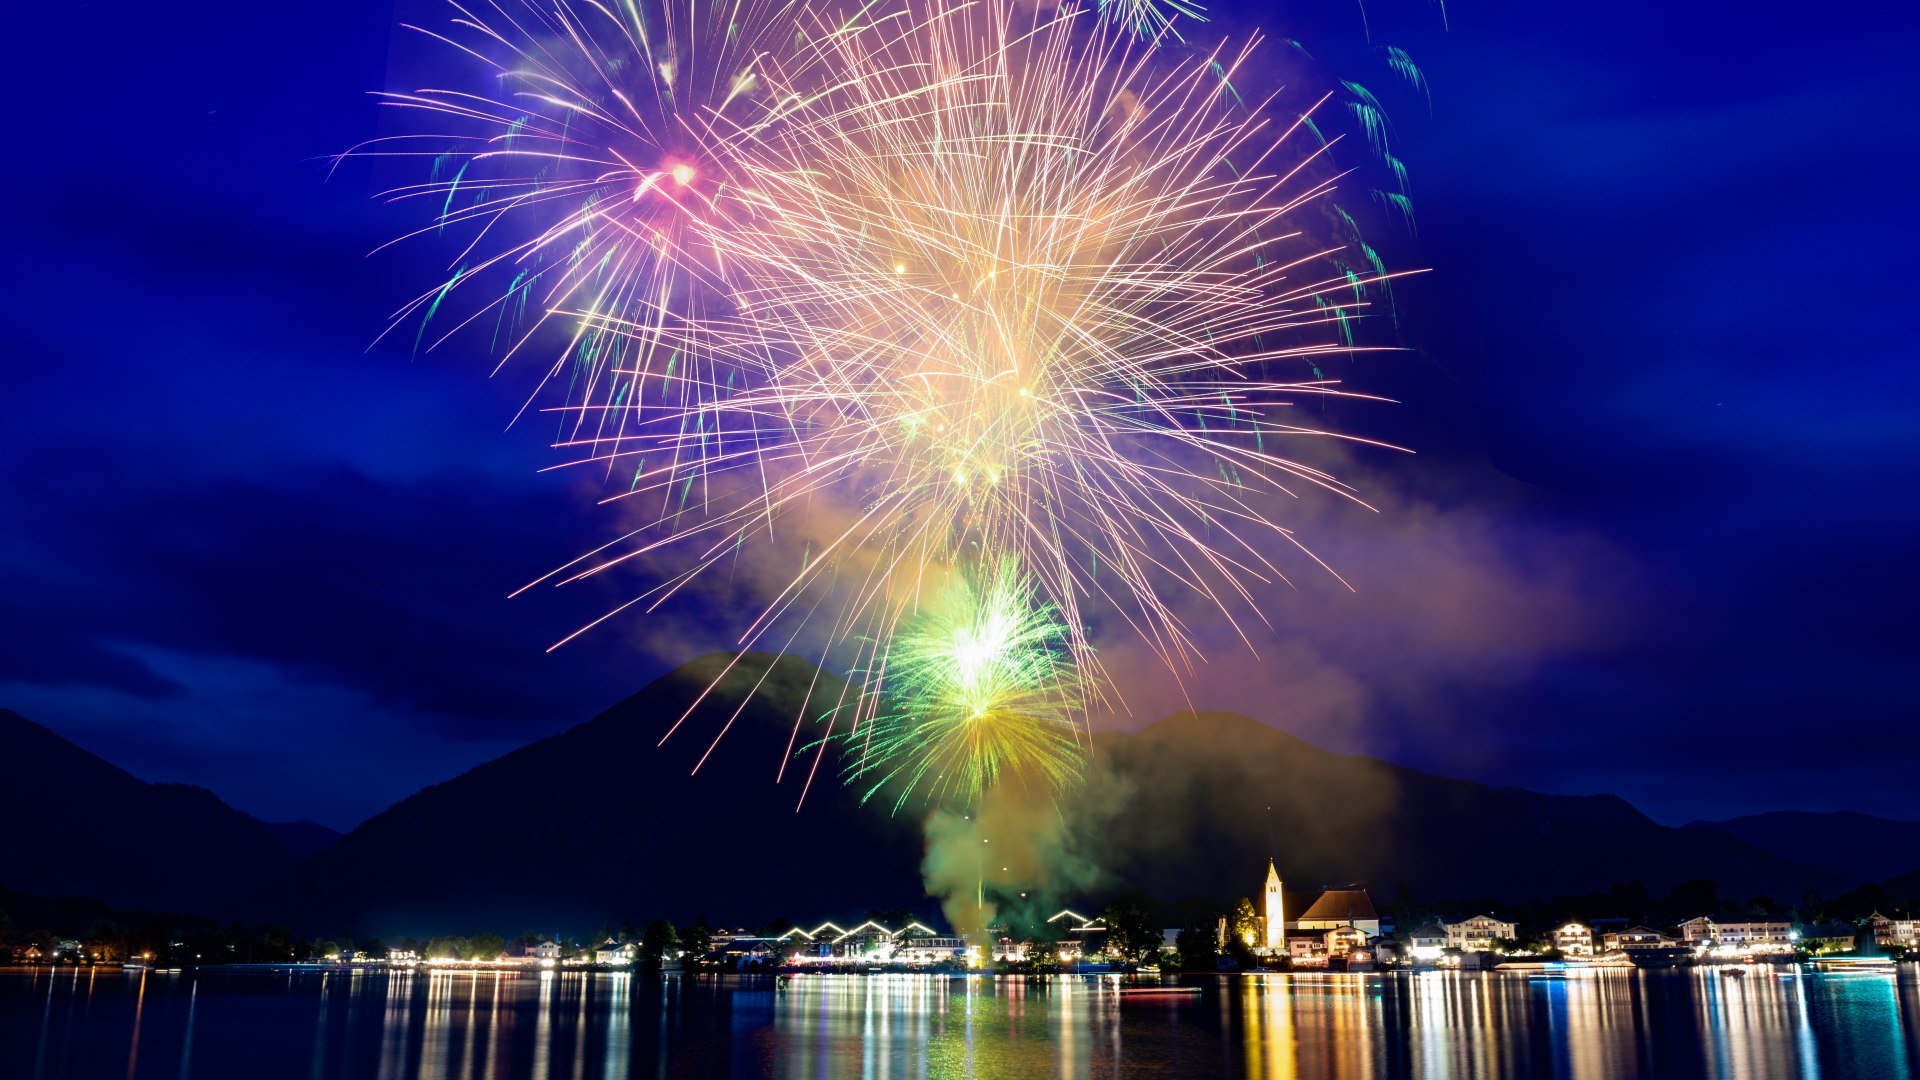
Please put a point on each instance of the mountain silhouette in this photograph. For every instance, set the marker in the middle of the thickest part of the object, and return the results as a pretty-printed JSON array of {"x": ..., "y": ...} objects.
[
  {"x": 1863, "y": 846},
  {"x": 76, "y": 825},
  {"x": 604, "y": 822},
  {"x": 1194, "y": 804}
]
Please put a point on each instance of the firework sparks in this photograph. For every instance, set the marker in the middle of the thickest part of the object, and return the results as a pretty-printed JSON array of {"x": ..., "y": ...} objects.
[
  {"x": 980, "y": 691},
  {"x": 976, "y": 285}
]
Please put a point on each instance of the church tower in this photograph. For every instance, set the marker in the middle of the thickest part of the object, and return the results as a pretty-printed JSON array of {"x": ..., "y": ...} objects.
[{"x": 1275, "y": 912}]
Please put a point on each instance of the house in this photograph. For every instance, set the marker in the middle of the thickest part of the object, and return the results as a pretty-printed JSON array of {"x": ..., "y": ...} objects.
[
  {"x": 1636, "y": 937},
  {"x": 743, "y": 951},
  {"x": 544, "y": 951},
  {"x": 1574, "y": 939},
  {"x": 929, "y": 949},
  {"x": 1888, "y": 933},
  {"x": 1347, "y": 906},
  {"x": 1478, "y": 933},
  {"x": 1738, "y": 934},
  {"x": 1307, "y": 950},
  {"x": 615, "y": 952},
  {"x": 1425, "y": 945},
  {"x": 1344, "y": 941},
  {"x": 1829, "y": 937}
]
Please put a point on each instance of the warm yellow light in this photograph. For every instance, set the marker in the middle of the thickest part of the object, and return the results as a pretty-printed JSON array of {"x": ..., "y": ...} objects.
[
  {"x": 899, "y": 268},
  {"x": 683, "y": 175}
]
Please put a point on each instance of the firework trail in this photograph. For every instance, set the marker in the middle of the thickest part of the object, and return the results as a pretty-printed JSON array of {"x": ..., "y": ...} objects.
[{"x": 948, "y": 288}]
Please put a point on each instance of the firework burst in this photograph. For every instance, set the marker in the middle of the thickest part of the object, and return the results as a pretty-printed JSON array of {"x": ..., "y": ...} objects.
[
  {"x": 979, "y": 690},
  {"x": 953, "y": 287}
]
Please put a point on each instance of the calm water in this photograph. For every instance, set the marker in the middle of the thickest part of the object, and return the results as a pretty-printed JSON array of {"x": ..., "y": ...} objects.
[{"x": 574, "y": 1025}]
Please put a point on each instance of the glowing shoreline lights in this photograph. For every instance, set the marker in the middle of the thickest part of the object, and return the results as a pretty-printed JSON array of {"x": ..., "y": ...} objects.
[{"x": 995, "y": 312}]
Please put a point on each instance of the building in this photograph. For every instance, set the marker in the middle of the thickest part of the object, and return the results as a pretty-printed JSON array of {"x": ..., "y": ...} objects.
[
  {"x": 1889, "y": 933},
  {"x": 1426, "y": 944},
  {"x": 1274, "y": 915},
  {"x": 1346, "y": 941},
  {"x": 1636, "y": 937},
  {"x": 1348, "y": 906},
  {"x": 1307, "y": 950},
  {"x": 1479, "y": 933},
  {"x": 1574, "y": 939},
  {"x": 1829, "y": 938},
  {"x": 615, "y": 952},
  {"x": 1737, "y": 934}
]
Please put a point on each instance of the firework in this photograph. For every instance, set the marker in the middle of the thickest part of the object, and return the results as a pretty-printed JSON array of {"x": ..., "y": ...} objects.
[
  {"x": 980, "y": 690},
  {"x": 1024, "y": 287},
  {"x": 939, "y": 290},
  {"x": 574, "y": 179}
]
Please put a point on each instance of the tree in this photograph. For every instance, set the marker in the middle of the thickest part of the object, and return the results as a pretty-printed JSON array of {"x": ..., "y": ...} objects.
[
  {"x": 486, "y": 946},
  {"x": 657, "y": 942},
  {"x": 1243, "y": 925},
  {"x": 1195, "y": 944},
  {"x": 1128, "y": 933},
  {"x": 696, "y": 939}
]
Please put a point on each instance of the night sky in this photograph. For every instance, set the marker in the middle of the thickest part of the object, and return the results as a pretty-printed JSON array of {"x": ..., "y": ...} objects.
[{"x": 1659, "y": 539}]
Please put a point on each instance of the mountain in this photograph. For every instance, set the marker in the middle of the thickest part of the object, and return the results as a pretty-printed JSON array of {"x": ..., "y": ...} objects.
[
  {"x": 1863, "y": 846},
  {"x": 604, "y": 822},
  {"x": 300, "y": 839},
  {"x": 1193, "y": 804},
  {"x": 78, "y": 826}
]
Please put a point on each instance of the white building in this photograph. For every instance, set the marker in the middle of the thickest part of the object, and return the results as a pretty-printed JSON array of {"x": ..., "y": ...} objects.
[
  {"x": 1425, "y": 945},
  {"x": 1891, "y": 932},
  {"x": 1479, "y": 933},
  {"x": 1738, "y": 935},
  {"x": 1574, "y": 939}
]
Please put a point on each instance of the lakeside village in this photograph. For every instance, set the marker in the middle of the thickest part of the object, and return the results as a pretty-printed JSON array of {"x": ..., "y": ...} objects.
[{"x": 1340, "y": 931}]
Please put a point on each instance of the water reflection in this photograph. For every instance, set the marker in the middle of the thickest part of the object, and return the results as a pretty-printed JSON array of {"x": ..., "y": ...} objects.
[{"x": 501, "y": 1025}]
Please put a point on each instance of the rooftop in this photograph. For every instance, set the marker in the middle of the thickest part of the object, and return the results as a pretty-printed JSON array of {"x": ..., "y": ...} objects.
[{"x": 1335, "y": 904}]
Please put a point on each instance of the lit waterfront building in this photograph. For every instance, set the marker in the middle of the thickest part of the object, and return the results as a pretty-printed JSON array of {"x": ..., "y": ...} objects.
[
  {"x": 1427, "y": 944},
  {"x": 870, "y": 942},
  {"x": 1478, "y": 933},
  {"x": 1637, "y": 937},
  {"x": 1574, "y": 939},
  {"x": 1737, "y": 936},
  {"x": 1830, "y": 938},
  {"x": 615, "y": 952},
  {"x": 1888, "y": 933}
]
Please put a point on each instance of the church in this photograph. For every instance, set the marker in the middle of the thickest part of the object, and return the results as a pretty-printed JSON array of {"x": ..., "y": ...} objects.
[{"x": 1341, "y": 923}]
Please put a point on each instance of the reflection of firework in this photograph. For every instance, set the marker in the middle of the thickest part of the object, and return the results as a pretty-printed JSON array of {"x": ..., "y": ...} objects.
[{"x": 979, "y": 691}]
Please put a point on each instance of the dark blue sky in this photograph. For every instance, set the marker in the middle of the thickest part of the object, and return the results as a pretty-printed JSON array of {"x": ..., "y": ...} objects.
[{"x": 1659, "y": 540}]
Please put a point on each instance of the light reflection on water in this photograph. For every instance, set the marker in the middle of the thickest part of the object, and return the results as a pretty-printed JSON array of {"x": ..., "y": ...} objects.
[{"x": 578, "y": 1026}]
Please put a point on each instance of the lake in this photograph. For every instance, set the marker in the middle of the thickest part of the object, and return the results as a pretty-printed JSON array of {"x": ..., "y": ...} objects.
[{"x": 579, "y": 1025}]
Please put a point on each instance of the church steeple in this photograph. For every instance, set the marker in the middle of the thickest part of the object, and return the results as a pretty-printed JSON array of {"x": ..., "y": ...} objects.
[{"x": 1275, "y": 912}]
